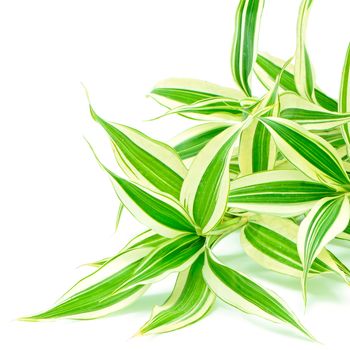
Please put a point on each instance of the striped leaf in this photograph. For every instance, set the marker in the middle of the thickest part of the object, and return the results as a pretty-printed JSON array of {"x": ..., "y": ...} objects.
[
  {"x": 205, "y": 188},
  {"x": 146, "y": 239},
  {"x": 278, "y": 192},
  {"x": 92, "y": 296},
  {"x": 244, "y": 48},
  {"x": 310, "y": 115},
  {"x": 215, "y": 108},
  {"x": 344, "y": 98},
  {"x": 237, "y": 290},
  {"x": 191, "y": 141},
  {"x": 155, "y": 210},
  {"x": 257, "y": 150},
  {"x": 174, "y": 255},
  {"x": 174, "y": 92},
  {"x": 190, "y": 301},
  {"x": 308, "y": 152},
  {"x": 150, "y": 162},
  {"x": 328, "y": 218},
  {"x": 303, "y": 74},
  {"x": 272, "y": 242},
  {"x": 268, "y": 68}
]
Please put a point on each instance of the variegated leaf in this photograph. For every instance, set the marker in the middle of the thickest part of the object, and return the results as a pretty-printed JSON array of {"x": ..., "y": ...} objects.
[
  {"x": 271, "y": 241},
  {"x": 238, "y": 290},
  {"x": 344, "y": 99},
  {"x": 174, "y": 255},
  {"x": 150, "y": 162},
  {"x": 191, "y": 141},
  {"x": 175, "y": 92},
  {"x": 244, "y": 48},
  {"x": 205, "y": 188},
  {"x": 267, "y": 69},
  {"x": 278, "y": 192},
  {"x": 190, "y": 300},
  {"x": 212, "y": 109},
  {"x": 310, "y": 115},
  {"x": 303, "y": 73},
  {"x": 308, "y": 152},
  {"x": 328, "y": 218}
]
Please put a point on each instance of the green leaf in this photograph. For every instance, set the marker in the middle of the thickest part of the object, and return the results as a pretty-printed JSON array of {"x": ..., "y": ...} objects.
[
  {"x": 310, "y": 115},
  {"x": 245, "y": 41},
  {"x": 278, "y": 192},
  {"x": 174, "y": 92},
  {"x": 215, "y": 108},
  {"x": 92, "y": 296},
  {"x": 174, "y": 255},
  {"x": 145, "y": 160},
  {"x": 205, "y": 188},
  {"x": 156, "y": 210},
  {"x": 237, "y": 290},
  {"x": 190, "y": 301},
  {"x": 267, "y": 69},
  {"x": 191, "y": 141},
  {"x": 328, "y": 218},
  {"x": 303, "y": 74},
  {"x": 308, "y": 152},
  {"x": 344, "y": 98},
  {"x": 257, "y": 150},
  {"x": 272, "y": 242},
  {"x": 146, "y": 239}
]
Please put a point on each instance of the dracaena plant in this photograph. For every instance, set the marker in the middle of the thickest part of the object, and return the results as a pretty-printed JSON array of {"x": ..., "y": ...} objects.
[{"x": 275, "y": 167}]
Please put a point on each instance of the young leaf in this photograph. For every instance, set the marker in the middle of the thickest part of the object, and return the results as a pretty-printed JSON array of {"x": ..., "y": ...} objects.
[
  {"x": 191, "y": 141},
  {"x": 190, "y": 301},
  {"x": 271, "y": 241},
  {"x": 268, "y": 68},
  {"x": 244, "y": 48},
  {"x": 344, "y": 99},
  {"x": 303, "y": 73},
  {"x": 328, "y": 218},
  {"x": 150, "y": 162},
  {"x": 310, "y": 115},
  {"x": 308, "y": 152},
  {"x": 278, "y": 192},
  {"x": 205, "y": 188},
  {"x": 236, "y": 289}
]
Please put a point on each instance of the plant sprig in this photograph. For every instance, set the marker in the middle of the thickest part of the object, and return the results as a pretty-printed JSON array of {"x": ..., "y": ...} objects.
[{"x": 275, "y": 167}]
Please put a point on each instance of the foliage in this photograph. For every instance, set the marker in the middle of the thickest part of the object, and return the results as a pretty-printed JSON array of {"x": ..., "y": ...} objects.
[{"x": 276, "y": 167}]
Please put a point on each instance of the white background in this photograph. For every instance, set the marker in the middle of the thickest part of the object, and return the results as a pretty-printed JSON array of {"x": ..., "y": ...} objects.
[{"x": 58, "y": 208}]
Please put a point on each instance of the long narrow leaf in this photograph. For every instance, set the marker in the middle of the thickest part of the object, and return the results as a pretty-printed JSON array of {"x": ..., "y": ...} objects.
[
  {"x": 344, "y": 98},
  {"x": 278, "y": 192},
  {"x": 267, "y": 69},
  {"x": 310, "y": 115},
  {"x": 328, "y": 218},
  {"x": 303, "y": 74},
  {"x": 205, "y": 189},
  {"x": 190, "y": 301},
  {"x": 242, "y": 293},
  {"x": 272, "y": 242},
  {"x": 245, "y": 41},
  {"x": 309, "y": 152},
  {"x": 191, "y": 141},
  {"x": 150, "y": 162}
]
